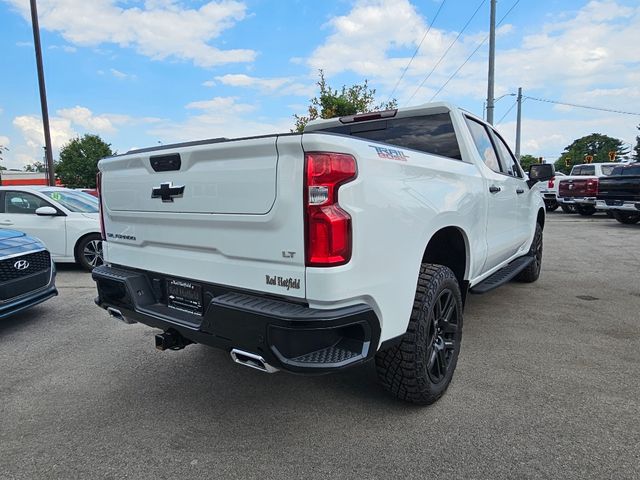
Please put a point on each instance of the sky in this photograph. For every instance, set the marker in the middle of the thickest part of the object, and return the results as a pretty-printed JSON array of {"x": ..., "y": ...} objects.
[{"x": 143, "y": 73}]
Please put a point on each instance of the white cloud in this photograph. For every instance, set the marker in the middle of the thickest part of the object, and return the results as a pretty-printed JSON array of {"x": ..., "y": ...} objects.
[
  {"x": 64, "y": 48},
  {"x": 241, "y": 80},
  {"x": 221, "y": 105},
  {"x": 83, "y": 117},
  {"x": 219, "y": 117},
  {"x": 67, "y": 124},
  {"x": 159, "y": 30},
  {"x": 273, "y": 86},
  {"x": 4, "y": 141},
  {"x": 122, "y": 75},
  {"x": 31, "y": 127},
  {"x": 362, "y": 38}
]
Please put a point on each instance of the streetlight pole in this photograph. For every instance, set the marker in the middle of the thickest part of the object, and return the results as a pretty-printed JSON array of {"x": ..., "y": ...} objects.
[
  {"x": 519, "y": 123},
  {"x": 43, "y": 93},
  {"x": 492, "y": 62}
]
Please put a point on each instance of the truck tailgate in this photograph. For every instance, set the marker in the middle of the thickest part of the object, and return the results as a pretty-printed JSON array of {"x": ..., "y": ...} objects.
[
  {"x": 624, "y": 187},
  {"x": 578, "y": 187},
  {"x": 238, "y": 221}
]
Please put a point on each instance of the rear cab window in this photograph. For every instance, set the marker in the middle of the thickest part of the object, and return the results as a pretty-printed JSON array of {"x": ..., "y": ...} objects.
[
  {"x": 607, "y": 169},
  {"x": 432, "y": 133}
]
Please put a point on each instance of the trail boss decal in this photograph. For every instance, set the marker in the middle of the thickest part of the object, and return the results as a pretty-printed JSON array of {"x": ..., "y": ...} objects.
[
  {"x": 390, "y": 153},
  {"x": 287, "y": 283}
]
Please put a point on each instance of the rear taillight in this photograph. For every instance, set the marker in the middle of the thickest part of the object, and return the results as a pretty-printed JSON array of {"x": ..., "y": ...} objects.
[
  {"x": 328, "y": 227},
  {"x": 550, "y": 184},
  {"x": 99, "y": 188},
  {"x": 592, "y": 187}
]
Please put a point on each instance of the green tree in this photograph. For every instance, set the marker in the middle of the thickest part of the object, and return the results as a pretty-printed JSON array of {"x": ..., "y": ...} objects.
[
  {"x": 348, "y": 101},
  {"x": 35, "y": 167},
  {"x": 3, "y": 149},
  {"x": 79, "y": 158},
  {"x": 636, "y": 149},
  {"x": 527, "y": 160},
  {"x": 597, "y": 145}
]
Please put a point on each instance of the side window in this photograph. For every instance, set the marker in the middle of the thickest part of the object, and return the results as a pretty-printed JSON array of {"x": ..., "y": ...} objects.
[
  {"x": 576, "y": 171},
  {"x": 484, "y": 145},
  {"x": 22, "y": 202},
  {"x": 506, "y": 157},
  {"x": 588, "y": 170}
]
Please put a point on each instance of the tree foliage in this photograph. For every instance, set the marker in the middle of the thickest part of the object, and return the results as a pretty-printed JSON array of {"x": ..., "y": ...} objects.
[
  {"x": 597, "y": 145},
  {"x": 527, "y": 160},
  {"x": 36, "y": 167},
  {"x": 636, "y": 149},
  {"x": 2, "y": 150},
  {"x": 79, "y": 158},
  {"x": 348, "y": 101}
]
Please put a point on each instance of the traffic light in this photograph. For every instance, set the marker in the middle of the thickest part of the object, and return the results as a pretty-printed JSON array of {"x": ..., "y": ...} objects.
[
  {"x": 588, "y": 158},
  {"x": 612, "y": 156},
  {"x": 567, "y": 162}
]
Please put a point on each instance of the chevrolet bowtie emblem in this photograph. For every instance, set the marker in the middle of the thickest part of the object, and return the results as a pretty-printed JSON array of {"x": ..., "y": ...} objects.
[{"x": 167, "y": 191}]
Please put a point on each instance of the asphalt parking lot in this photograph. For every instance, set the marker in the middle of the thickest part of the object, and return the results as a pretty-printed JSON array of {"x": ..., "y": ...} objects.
[{"x": 547, "y": 386}]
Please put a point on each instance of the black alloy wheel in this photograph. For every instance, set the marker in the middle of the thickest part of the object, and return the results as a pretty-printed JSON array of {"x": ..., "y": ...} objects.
[
  {"x": 627, "y": 218},
  {"x": 443, "y": 329},
  {"x": 532, "y": 272}
]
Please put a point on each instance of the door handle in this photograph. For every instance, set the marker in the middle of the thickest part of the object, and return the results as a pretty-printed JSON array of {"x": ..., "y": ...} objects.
[
  {"x": 519, "y": 191},
  {"x": 494, "y": 189}
]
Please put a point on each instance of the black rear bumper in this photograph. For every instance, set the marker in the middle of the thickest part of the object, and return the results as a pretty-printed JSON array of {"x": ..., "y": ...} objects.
[{"x": 289, "y": 336}]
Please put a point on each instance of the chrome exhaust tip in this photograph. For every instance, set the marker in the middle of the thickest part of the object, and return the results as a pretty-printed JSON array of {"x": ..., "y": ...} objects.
[
  {"x": 251, "y": 360},
  {"x": 115, "y": 313}
]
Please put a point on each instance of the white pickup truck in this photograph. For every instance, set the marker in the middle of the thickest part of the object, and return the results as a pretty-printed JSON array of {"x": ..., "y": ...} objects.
[{"x": 313, "y": 252}]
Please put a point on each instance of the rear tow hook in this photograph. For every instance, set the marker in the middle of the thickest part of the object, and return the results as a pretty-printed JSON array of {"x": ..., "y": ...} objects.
[{"x": 171, "y": 340}]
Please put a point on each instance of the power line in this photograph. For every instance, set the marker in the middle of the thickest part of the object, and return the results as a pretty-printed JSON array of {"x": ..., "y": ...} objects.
[
  {"x": 508, "y": 111},
  {"x": 582, "y": 106},
  {"x": 417, "y": 49},
  {"x": 473, "y": 53},
  {"x": 447, "y": 50}
]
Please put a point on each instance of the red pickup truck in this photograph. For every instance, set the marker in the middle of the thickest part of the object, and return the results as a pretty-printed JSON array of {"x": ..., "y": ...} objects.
[{"x": 578, "y": 191}]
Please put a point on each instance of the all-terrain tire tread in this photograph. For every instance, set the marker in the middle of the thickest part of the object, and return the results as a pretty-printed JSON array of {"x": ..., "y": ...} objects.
[{"x": 401, "y": 368}]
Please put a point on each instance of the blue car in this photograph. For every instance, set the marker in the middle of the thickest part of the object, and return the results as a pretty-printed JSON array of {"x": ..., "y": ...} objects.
[{"x": 27, "y": 273}]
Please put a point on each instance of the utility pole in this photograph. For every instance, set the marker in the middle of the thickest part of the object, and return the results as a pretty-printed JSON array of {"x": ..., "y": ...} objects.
[
  {"x": 519, "y": 122},
  {"x": 43, "y": 94},
  {"x": 492, "y": 62}
]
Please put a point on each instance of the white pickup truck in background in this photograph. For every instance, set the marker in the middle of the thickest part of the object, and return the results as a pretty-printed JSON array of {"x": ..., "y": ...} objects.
[
  {"x": 577, "y": 191},
  {"x": 313, "y": 252}
]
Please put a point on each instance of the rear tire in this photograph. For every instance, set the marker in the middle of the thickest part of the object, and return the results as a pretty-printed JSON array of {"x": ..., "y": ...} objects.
[
  {"x": 626, "y": 217},
  {"x": 89, "y": 251},
  {"x": 421, "y": 367},
  {"x": 568, "y": 208},
  {"x": 586, "y": 210},
  {"x": 532, "y": 272}
]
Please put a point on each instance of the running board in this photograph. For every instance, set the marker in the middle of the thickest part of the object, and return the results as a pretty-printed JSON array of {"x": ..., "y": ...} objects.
[{"x": 503, "y": 275}]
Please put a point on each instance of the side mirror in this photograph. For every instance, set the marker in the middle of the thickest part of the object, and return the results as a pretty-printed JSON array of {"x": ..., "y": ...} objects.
[
  {"x": 540, "y": 172},
  {"x": 46, "y": 212}
]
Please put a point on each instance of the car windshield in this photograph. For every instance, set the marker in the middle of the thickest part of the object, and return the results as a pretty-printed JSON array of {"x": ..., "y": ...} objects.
[
  {"x": 607, "y": 169},
  {"x": 74, "y": 201}
]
